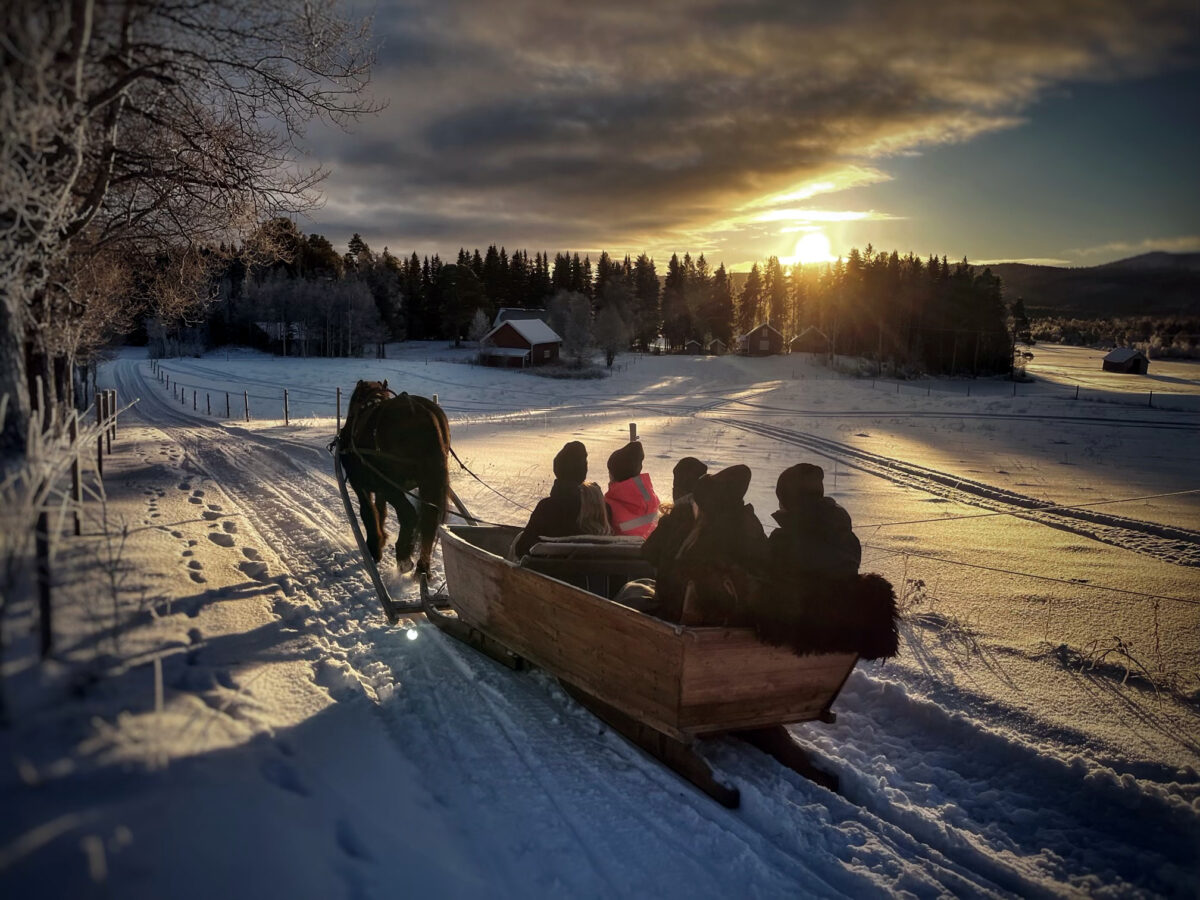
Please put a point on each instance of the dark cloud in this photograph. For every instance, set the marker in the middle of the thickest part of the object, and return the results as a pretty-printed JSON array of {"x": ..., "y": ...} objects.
[{"x": 539, "y": 123}]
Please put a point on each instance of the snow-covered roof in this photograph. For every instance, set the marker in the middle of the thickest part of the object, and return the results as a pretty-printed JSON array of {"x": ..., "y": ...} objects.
[
  {"x": 533, "y": 330},
  {"x": 509, "y": 313},
  {"x": 1122, "y": 354},
  {"x": 760, "y": 325}
]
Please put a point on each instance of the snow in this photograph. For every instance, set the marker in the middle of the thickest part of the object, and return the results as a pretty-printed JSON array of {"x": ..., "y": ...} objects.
[
  {"x": 535, "y": 331},
  {"x": 228, "y": 713}
]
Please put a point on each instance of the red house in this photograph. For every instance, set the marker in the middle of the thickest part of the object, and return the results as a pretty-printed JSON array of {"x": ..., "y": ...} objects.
[{"x": 519, "y": 342}]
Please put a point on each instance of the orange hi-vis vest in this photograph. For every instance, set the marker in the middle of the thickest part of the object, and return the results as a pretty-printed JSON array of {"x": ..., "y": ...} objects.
[{"x": 633, "y": 505}]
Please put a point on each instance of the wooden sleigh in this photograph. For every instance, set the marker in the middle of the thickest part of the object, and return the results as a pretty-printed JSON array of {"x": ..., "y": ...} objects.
[{"x": 662, "y": 686}]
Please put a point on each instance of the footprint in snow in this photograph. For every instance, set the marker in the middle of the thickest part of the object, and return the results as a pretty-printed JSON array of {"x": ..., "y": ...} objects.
[
  {"x": 185, "y": 486},
  {"x": 255, "y": 570},
  {"x": 282, "y": 775},
  {"x": 210, "y": 515},
  {"x": 350, "y": 843},
  {"x": 195, "y": 500},
  {"x": 230, "y": 526},
  {"x": 197, "y": 577},
  {"x": 250, "y": 553},
  {"x": 221, "y": 540},
  {"x": 195, "y": 563},
  {"x": 197, "y": 493}
]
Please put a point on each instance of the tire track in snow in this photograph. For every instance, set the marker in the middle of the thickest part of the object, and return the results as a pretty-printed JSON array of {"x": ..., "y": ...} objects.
[{"x": 1180, "y": 546}]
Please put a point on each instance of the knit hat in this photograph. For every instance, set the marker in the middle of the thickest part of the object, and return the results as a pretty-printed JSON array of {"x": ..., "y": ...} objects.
[
  {"x": 687, "y": 472},
  {"x": 571, "y": 463},
  {"x": 626, "y": 462},
  {"x": 723, "y": 492},
  {"x": 800, "y": 481}
]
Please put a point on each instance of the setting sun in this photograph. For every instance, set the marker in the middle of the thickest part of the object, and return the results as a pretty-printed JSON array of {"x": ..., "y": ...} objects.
[{"x": 813, "y": 248}]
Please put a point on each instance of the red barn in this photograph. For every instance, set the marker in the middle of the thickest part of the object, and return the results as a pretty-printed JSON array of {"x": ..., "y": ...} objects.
[{"x": 519, "y": 342}]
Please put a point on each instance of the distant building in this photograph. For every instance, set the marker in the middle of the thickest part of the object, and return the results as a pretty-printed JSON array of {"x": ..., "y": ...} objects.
[
  {"x": 519, "y": 342},
  {"x": 810, "y": 340},
  {"x": 1126, "y": 359},
  {"x": 762, "y": 340},
  {"x": 693, "y": 346},
  {"x": 717, "y": 347}
]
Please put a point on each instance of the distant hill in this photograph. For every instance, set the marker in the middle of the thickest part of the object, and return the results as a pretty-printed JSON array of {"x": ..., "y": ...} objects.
[{"x": 1153, "y": 284}]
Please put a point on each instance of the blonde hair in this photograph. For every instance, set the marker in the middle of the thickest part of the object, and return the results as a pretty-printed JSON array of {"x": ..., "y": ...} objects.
[{"x": 593, "y": 511}]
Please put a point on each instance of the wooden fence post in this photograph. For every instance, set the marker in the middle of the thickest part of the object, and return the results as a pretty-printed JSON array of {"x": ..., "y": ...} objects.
[
  {"x": 339, "y": 409},
  {"x": 246, "y": 403},
  {"x": 228, "y": 415},
  {"x": 208, "y": 402},
  {"x": 435, "y": 400},
  {"x": 193, "y": 401},
  {"x": 109, "y": 411},
  {"x": 286, "y": 417},
  {"x": 633, "y": 431},
  {"x": 98, "y": 399},
  {"x": 76, "y": 479},
  {"x": 1151, "y": 403},
  {"x": 45, "y": 609}
]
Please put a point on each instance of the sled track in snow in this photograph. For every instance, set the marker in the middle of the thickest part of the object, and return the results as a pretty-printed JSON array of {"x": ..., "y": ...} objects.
[{"x": 1169, "y": 544}]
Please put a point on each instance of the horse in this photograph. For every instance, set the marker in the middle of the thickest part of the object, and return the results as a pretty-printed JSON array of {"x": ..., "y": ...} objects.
[{"x": 391, "y": 445}]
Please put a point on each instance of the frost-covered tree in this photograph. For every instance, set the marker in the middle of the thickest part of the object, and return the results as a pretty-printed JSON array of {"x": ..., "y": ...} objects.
[
  {"x": 571, "y": 317},
  {"x": 149, "y": 129},
  {"x": 480, "y": 325}
]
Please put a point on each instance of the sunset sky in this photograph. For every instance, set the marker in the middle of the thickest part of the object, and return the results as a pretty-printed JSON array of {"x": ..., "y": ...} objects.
[{"x": 1064, "y": 132}]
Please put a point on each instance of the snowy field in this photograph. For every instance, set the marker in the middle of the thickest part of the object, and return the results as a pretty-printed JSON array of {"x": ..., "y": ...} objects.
[{"x": 230, "y": 715}]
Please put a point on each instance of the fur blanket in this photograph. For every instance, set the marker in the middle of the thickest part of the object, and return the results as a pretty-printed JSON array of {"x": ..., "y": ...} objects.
[{"x": 830, "y": 618}]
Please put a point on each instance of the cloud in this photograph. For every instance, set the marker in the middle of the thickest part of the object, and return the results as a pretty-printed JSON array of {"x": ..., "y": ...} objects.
[{"x": 644, "y": 125}]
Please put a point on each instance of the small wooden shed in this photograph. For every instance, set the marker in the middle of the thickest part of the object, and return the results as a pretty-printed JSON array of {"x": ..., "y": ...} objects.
[
  {"x": 519, "y": 342},
  {"x": 1126, "y": 359},
  {"x": 810, "y": 340},
  {"x": 717, "y": 347},
  {"x": 762, "y": 340},
  {"x": 694, "y": 347}
]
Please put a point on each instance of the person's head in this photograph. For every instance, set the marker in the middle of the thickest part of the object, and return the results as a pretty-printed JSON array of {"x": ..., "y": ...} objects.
[
  {"x": 626, "y": 462},
  {"x": 720, "y": 496},
  {"x": 801, "y": 482},
  {"x": 686, "y": 473},
  {"x": 570, "y": 465},
  {"x": 593, "y": 511}
]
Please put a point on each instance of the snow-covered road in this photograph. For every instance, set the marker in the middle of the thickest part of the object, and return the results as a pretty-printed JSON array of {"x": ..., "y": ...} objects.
[{"x": 391, "y": 760}]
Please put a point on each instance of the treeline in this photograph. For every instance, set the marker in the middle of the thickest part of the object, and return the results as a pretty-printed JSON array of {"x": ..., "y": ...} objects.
[
  {"x": 1157, "y": 336},
  {"x": 908, "y": 313}
]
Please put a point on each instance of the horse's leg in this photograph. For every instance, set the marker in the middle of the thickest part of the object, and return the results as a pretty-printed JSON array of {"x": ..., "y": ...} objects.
[
  {"x": 404, "y": 540},
  {"x": 370, "y": 520},
  {"x": 381, "y": 518},
  {"x": 434, "y": 490}
]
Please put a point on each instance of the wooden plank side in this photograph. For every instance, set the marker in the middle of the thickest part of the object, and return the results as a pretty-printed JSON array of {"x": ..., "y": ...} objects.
[
  {"x": 730, "y": 680},
  {"x": 624, "y": 658}
]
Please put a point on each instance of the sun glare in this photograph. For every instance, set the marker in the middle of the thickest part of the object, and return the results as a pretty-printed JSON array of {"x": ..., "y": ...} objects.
[{"x": 813, "y": 248}]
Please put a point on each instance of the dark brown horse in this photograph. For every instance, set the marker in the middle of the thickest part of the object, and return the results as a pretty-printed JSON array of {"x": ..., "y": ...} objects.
[{"x": 391, "y": 445}]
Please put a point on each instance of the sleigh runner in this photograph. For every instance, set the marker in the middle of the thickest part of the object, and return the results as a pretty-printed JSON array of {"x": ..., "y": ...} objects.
[{"x": 660, "y": 685}]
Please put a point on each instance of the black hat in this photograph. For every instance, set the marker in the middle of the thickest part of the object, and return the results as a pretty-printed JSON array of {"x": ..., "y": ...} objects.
[
  {"x": 800, "y": 481},
  {"x": 626, "y": 462},
  {"x": 724, "y": 491},
  {"x": 571, "y": 463},
  {"x": 687, "y": 472}
]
